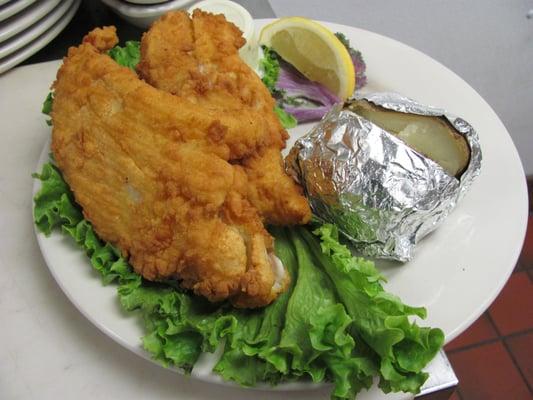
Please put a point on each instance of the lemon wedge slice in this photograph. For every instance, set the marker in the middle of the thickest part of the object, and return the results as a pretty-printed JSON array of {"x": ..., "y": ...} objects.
[{"x": 314, "y": 51}]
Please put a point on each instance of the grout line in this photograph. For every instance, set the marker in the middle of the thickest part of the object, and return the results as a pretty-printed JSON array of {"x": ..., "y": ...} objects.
[
  {"x": 473, "y": 345},
  {"x": 530, "y": 274},
  {"x": 489, "y": 317},
  {"x": 489, "y": 341},
  {"x": 516, "y": 365},
  {"x": 491, "y": 322},
  {"x": 506, "y": 347},
  {"x": 521, "y": 333}
]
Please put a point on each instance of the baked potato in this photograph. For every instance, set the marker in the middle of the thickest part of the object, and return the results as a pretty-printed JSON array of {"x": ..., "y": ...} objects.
[{"x": 434, "y": 137}]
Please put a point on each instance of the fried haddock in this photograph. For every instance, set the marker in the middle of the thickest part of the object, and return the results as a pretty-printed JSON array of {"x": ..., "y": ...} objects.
[
  {"x": 157, "y": 176},
  {"x": 197, "y": 58}
]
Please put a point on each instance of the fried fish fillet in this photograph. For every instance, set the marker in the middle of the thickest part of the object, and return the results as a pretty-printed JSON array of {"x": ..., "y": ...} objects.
[
  {"x": 151, "y": 171},
  {"x": 197, "y": 58}
]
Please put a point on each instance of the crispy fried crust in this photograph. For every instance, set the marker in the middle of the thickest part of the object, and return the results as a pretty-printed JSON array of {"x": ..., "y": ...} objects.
[
  {"x": 197, "y": 58},
  {"x": 102, "y": 39},
  {"x": 151, "y": 173}
]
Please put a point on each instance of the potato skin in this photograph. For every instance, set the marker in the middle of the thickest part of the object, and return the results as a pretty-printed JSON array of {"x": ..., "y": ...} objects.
[{"x": 434, "y": 137}]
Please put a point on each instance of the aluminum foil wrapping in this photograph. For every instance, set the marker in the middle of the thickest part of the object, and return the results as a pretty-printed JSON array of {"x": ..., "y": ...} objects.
[{"x": 381, "y": 194}]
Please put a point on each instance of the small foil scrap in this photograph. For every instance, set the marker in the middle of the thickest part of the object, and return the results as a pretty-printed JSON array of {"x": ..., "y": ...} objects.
[{"x": 381, "y": 194}]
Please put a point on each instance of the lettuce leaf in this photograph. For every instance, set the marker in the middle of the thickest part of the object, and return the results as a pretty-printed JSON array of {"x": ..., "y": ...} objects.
[
  {"x": 334, "y": 324},
  {"x": 380, "y": 318},
  {"x": 47, "y": 104},
  {"x": 128, "y": 56},
  {"x": 269, "y": 65},
  {"x": 54, "y": 204},
  {"x": 46, "y": 109},
  {"x": 287, "y": 120}
]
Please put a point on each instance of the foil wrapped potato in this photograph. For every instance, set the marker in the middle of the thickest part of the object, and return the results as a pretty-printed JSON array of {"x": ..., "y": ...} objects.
[{"x": 386, "y": 170}]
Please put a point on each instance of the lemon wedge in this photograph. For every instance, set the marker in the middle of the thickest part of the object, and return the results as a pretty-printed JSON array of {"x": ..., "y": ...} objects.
[{"x": 314, "y": 51}]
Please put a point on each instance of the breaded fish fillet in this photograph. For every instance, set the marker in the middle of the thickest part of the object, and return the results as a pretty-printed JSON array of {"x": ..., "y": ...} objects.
[
  {"x": 197, "y": 58},
  {"x": 151, "y": 173}
]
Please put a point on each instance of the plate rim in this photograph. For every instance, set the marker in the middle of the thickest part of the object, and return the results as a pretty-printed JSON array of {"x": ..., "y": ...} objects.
[
  {"x": 11, "y": 9},
  {"x": 29, "y": 16},
  {"x": 145, "y": 10}
]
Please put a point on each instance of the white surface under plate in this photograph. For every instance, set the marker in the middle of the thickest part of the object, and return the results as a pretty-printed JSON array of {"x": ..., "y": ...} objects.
[
  {"x": 13, "y": 7},
  {"x": 17, "y": 23},
  {"x": 33, "y": 32},
  {"x": 45, "y": 37},
  {"x": 457, "y": 271}
]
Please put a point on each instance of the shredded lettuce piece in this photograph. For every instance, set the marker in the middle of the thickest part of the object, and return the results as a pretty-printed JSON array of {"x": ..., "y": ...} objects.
[
  {"x": 287, "y": 120},
  {"x": 128, "y": 56},
  {"x": 335, "y": 323},
  {"x": 47, "y": 106},
  {"x": 269, "y": 65}
]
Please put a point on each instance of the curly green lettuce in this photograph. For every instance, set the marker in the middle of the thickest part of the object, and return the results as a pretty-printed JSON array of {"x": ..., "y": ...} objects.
[
  {"x": 128, "y": 55},
  {"x": 287, "y": 120},
  {"x": 334, "y": 324},
  {"x": 46, "y": 109},
  {"x": 269, "y": 65},
  {"x": 380, "y": 318}
]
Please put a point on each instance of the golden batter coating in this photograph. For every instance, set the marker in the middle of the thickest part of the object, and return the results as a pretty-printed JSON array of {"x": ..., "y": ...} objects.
[
  {"x": 197, "y": 58},
  {"x": 151, "y": 171}
]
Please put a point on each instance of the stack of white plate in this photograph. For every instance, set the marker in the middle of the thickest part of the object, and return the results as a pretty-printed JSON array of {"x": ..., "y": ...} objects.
[{"x": 26, "y": 26}]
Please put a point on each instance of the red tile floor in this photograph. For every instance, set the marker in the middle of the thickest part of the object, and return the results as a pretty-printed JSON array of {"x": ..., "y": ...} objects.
[{"x": 493, "y": 359}]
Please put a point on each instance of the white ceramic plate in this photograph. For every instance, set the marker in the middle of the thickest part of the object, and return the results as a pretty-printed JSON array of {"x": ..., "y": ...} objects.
[
  {"x": 145, "y": 2},
  {"x": 457, "y": 271},
  {"x": 142, "y": 15},
  {"x": 34, "y": 31},
  {"x": 26, "y": 18},
  {"x": 43, "y": 38},
  {"x": 13, "y": 7}
]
